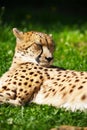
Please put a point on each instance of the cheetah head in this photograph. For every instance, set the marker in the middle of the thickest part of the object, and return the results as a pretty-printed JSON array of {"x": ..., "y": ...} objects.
[{"x": 33, "y": 47}]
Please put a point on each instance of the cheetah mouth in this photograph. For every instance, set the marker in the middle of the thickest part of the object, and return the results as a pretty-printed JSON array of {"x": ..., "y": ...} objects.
[{"x": 45, "y": 63}]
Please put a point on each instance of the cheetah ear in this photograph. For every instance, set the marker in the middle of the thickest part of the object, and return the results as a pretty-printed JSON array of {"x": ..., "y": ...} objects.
[{"x": 18, "y": 34}]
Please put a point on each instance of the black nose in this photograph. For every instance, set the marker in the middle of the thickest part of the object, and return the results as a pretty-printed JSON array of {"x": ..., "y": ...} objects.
[{"x": 48, "y": 58}]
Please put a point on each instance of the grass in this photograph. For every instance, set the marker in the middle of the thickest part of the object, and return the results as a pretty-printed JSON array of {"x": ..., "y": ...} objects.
[{"x": 70, "y": 36}]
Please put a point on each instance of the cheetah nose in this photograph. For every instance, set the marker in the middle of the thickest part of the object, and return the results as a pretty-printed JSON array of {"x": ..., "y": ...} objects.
[{"x": 48, "y": 58}]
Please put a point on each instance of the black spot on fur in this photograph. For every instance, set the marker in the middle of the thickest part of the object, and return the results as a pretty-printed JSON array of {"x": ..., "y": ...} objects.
[
  {"x": 60, "y": 85},
  {"x": 77, "y": 80},
  {"x": 4, "y": 87},
  {"x": 45, "y": 69},
  {"x": 8, "y": 94},
  {"x": 35, "y": 74},
  {"x": 69, "y": 80},
  {"x": 10, "y": 79},
  {"x": 50, "y": 89},
  {"x": 14, "y": 82},
  {"x": 39, "y": 72},
  {"x": 25, "y": 83},
  {"x": 64, "y": 94},
  {"x": 29, "y": 86},
  {"x": 62, "y": 88},
  {"x": 70, "y": 84},
  {"x": 41, "y": 77},
  {"x": 68, "y": 76},
  {"x": 29, "y": 68},
  {"x": 53, "y": 90},
  {"x": 13, "y": 91},
  {"x": 63, "y": 80},
  {"x": 52, "y": 78},
  {"x": 22, "y": 76},
  {"x": 20, "y": 89},
  {"x": 83, "y": 97},
  {"x": 71, "y": 91},
  {"x": 27, "y": 78},
  {"x": 73, "y": 86},
  {"x": 25, "y": 91},
  {"x": 8, "y": 89},
  {"x": 59, "y": 72},
  {"x": 64, "y": 75},
  {"x": 55, "y": 83},
  {"x": 31, "y": 80},
  {"x": 31, "y": 73},
  {"x": 16, "y": 73},
  {"x": 46, "y": 95},
  {"x": 35, "y": 67},
  {"x": 80, "y": 87},
  {"x": 23, "y": 70},
  {"x": 84, "y": 82},
  {"x": 1, "y": 95},
  {"x": 19, "y": 83},
  {"x": 37, "y": 82},
  {"x": 74, "y": 74},
  {"x": 81, "y": 73},
  {"x": 58, "y": 75},
  {"x": 40, "y": 68}
]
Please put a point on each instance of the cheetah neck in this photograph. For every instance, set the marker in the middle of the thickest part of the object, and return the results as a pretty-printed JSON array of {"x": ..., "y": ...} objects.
[{"x": 19, "y": 59}]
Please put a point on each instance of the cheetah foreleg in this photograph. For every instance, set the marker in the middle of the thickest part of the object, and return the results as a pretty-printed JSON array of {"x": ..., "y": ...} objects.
[{"x": 16, "y": 102}]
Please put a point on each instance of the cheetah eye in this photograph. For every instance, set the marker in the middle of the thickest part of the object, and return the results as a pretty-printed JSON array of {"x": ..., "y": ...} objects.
[{"x": 39, "y": 46}]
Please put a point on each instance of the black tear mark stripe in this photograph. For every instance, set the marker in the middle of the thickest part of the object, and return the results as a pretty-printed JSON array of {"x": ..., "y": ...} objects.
[{"x": 37, "y": 59}]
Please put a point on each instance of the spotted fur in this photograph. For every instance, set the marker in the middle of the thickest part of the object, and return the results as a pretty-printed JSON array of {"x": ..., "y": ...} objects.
[
  {"x": 31, "y": 81},
  {"x": 66, "y": 127}
]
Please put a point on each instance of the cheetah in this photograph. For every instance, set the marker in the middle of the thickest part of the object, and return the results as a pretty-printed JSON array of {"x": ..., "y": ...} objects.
[
  {"x": 66, "y": 127},
  {"x": 31, "y": 78}
]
